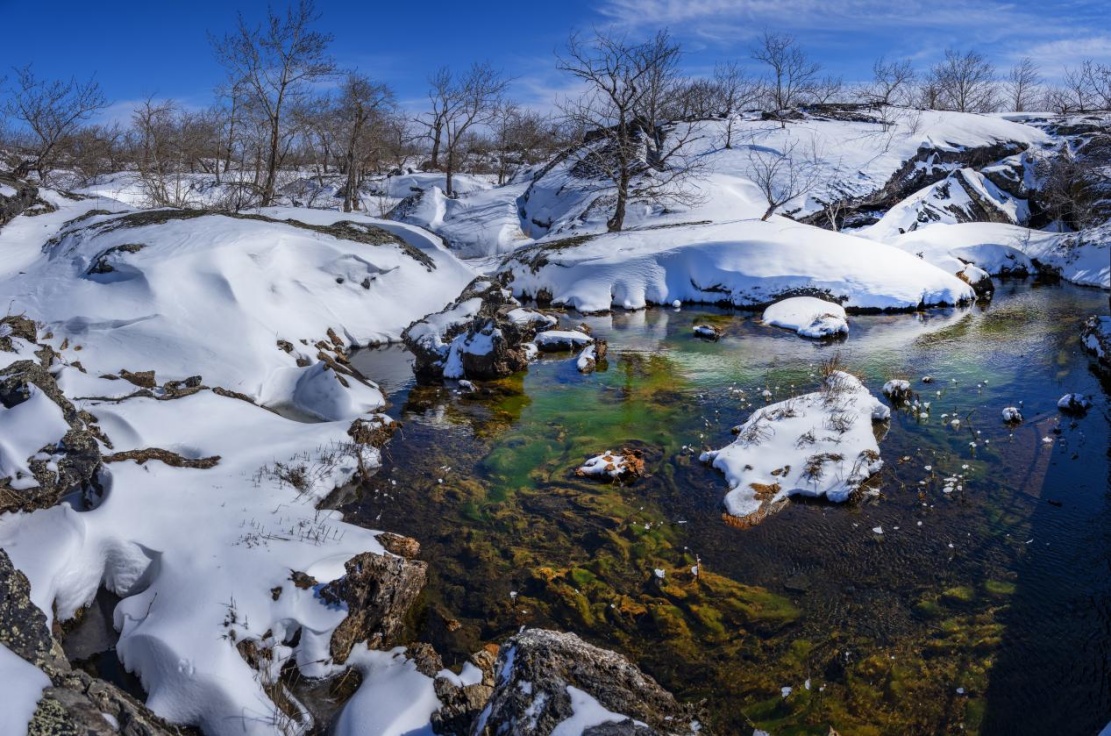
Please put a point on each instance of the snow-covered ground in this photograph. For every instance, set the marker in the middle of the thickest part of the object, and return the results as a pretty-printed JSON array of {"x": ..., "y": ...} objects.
[{"x": 202, "y": 556}]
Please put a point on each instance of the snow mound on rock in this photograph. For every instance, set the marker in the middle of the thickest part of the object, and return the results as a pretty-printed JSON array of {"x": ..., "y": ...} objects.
[
  {"x": 818, "y": 445},
  {"x": 808, "y": 316},
  {"x": 744, "y": 263}
]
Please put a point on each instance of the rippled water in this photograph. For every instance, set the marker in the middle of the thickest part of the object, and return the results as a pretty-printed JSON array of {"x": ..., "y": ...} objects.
[{"x": 986, "y": 610}]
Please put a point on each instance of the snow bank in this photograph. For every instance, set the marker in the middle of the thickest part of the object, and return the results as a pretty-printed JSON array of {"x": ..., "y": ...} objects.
[
  {"x": 808, "y": 316},
  {"x": 743, "y": 263},
  {"x": 394, "y": 699},
  {"x": 1001, "y": 249},
  {"x": 849, "y": 158},
  {"x": 820, "y": 445}
]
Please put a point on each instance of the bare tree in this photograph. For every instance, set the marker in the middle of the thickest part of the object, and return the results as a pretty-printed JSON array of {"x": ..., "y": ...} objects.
[
  {"x": 1022, "y": 84},
  {"x": 965, "y": 82},
  {"x": 271, "y": 66},
  {"x": 620, "y": 142},
  {"x": 891, "y": 82},
  {"x": 159, "y": 153},
  {"x": 51, "y": 110},
  {"x": 782, "y": 176},
  {"x": 735, "y": 90},
  {"x": 827, "y": 89},
  {"x": 522, "y": 137},
  {"x": 362, "y": 104},
  {"x": 792, "y": 73},
  {"x": 460, "y": 102},
  {"x": 1084, "y": 88}
]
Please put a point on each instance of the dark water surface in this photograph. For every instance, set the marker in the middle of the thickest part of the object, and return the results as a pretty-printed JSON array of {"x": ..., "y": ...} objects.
[{"x": 982, "y": 610}]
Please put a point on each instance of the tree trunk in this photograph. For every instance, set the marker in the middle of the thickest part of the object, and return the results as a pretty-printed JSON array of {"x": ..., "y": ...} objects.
[
  {"x": 352, "y": 184},
  {"x": 449, "y": 172},
  {"x": 617, "y": 221},
  {"x": 436, "y": 132},
  {"x": 271, "y": 166},
  {"x": 768, "y": 213}
]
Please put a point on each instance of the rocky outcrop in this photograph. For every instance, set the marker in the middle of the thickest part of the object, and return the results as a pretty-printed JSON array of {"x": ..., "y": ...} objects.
[
  {"x": 25, "y": 199},
  {"x": 69, "y": 463},
  {"x": 378, "y": 591},
  {"x": 481, "y": 335},
  {"x": 75, "y": 703},
  {"x": 928, "y": 166},
  {"x": 540, "y": 675}
]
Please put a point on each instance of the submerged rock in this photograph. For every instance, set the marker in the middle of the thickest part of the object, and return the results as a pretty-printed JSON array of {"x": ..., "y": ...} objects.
[
  {"x": 547, "y": 680},
  {"x": 1074, "y": 404}
]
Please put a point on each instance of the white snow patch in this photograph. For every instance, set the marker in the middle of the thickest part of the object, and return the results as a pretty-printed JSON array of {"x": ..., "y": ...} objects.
[
  {"x": 23, "y": 686},
  {"x": 586, "y": 712}
]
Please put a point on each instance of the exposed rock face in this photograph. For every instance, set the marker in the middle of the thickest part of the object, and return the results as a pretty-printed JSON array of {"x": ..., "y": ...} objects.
[
  {"x": 26, "y": 199},
  {"x": 378, "y": 591},
  {"x": 461, "y": 705},
  {"x": 76, "y": 702},
  {"x": 74, "y": 460},
  {"x": 927, "y": 167},
  {"x": 531, "y": 697},
  {"x": 482, "y": 335}
]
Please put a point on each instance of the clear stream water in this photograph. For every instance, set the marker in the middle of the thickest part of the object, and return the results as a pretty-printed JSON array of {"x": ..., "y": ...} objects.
[{"x": 985, "y": 610}]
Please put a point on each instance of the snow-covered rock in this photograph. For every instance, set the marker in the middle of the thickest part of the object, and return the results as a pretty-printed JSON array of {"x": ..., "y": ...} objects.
[
  {"x": 484, "y": 334},
  {"x": 708, "y": 332},
  {"x": 808, "y": 316},
  {"x": 820, "y": 445},
  {"x": 613, "y": 465},
  {"x": 1096, "y": 339},
  {"x": 897, "y": 389},
  {"x": 554, "y": 341},
  {"x": 1074, "y": 403},
  {"x": 963, "y": 196},
  {"x": 588, "y": 359},
  {"x": 555, "y": 683},
  {"x": 1012, "y": 415}
]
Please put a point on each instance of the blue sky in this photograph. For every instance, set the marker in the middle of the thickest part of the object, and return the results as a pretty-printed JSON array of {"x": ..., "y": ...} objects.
[{"x": 160, "y": 47}]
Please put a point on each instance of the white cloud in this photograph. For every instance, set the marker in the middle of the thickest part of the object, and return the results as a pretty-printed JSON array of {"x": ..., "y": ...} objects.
[{"x": 1053, "y": 55}]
